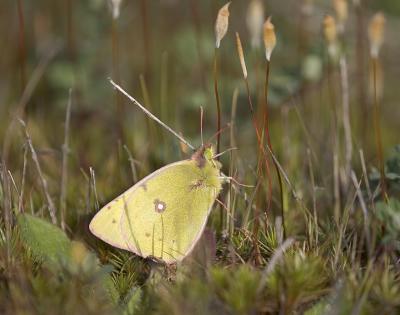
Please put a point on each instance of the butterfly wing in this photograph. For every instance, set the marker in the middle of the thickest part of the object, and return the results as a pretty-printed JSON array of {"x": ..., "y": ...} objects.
[
  {"x": 106, "y": 223},
  {"x": 165, "y": 214}
]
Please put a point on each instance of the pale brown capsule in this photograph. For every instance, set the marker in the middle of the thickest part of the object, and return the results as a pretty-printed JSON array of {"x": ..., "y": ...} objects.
[
  {"x": 115, "y": 7},
  {"x": 269, "y": 38},
  {"x": 221, "y": 24},
  {"x": 330, "y": 33},
  {"x": 307, "y": 7},
  {"x": 255, "y": 21},
  {"x": 241, "y": 55},
  {"x": 330, "y": 30},
  {"x": 341, "y": 9},
  {"x": 376, "y": 33}
]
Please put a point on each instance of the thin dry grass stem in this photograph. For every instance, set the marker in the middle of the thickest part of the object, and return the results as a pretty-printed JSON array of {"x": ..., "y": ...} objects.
[
  {"x": 313, "y": 189},
  {"x": 346, "y": 118},
  {"x": 297, "y": 197},
  {"x": 330, "y": 32},
  {"x": 344, "y": 221},
  {"x": 149, "y": 114},
  {"x": 364, "y": 209},
  {"x": 233, "y": 118},
  {"x": 223, "y": 206},
  {"x": 376, "y": 37},
  {"x": 21, "y": 44},
  {"x": 43, "y": 181},
  {"x": 306, "y": 132},
  {"x": 7, "y": 206},
  {"x": 132, "y": 163},
  {"x": 246, "y": 220},
  {"x": 233, "y": 160},
  {"x": 147, "y": 104},
  {"x": 23, "y": 179},
  {"x": 87, "y": 201},
  {"x": 93, "y": 185},
  {"x": 64, "y": 168},
  {"x": 13, "y": 182},
  {"x": 365, "y": 175}
]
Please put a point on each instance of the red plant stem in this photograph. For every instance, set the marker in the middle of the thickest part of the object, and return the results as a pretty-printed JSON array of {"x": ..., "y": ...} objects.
[
  {"x": 267, "y": 134},
  {"x": 261, "y": 149},
  {"x": 360, "y": 72},
  {"x": 217, "y": 99}
]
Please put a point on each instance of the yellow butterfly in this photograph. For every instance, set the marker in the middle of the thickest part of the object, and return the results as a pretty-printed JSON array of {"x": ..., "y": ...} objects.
[{"x": 164, "y": 214}]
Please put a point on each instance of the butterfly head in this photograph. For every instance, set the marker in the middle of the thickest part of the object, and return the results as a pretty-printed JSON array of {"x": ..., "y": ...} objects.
[{"x": 206, "y": 155}]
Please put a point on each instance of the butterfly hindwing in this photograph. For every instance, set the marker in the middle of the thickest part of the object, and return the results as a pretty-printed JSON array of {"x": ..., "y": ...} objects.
[
  {"x": 106, "y": 223},
  {"x": 164, "y": 215}
]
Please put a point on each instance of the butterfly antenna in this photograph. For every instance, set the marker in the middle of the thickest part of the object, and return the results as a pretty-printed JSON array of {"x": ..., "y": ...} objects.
[
  {"x": 227, "y": 150},
  {"x": 201, "y": 124},
  {"x": 228, "y": 125},
  {"x": 152, "y": 116}
]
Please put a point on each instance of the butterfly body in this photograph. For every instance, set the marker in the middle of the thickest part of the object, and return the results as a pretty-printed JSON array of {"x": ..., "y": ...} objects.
[{"x": 164, "y": 214}]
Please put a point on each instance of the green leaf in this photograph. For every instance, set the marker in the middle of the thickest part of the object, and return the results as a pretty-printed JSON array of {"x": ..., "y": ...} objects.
[
  {"x": 318, "y": 309},
  {"x": 47, "y": 242},
  {"x": 389, "y": 214},
  {"x": 132, "y": 301}
]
